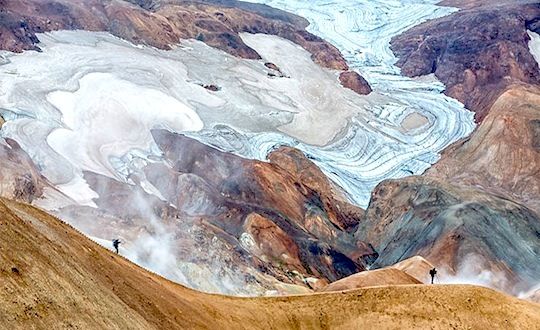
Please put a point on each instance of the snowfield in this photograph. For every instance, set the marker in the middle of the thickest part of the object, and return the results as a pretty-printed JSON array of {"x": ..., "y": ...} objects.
[{"x": 88, "y": 101}]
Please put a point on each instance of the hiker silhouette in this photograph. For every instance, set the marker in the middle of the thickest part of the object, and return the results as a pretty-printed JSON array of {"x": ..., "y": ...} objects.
[
  {"x": 432, "y": 272},
  {"x": 116, "y": 243}
]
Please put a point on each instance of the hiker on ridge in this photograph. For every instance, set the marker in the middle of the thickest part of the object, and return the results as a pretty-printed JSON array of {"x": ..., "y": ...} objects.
[
  {"x": 432, "y": 272},
  {"x": 116, "y": 243}
]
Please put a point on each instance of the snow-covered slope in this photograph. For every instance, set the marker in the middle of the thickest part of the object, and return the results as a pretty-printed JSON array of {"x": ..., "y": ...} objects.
[
  {"x": 87, "y": 102},
  {"x": 534, "y": 45},
  {"x": 362, "y": 31}
]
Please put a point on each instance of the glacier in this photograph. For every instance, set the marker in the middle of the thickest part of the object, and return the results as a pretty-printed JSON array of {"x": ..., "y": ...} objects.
[
  {"x": 372, "y": 150},
  {"x": 88, "y": 101}
]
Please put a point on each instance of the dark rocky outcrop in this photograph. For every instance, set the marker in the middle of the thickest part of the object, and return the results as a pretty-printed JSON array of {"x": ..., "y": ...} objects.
[
  {"x": 352, "y": 80},
  {"x": 212, "y": 87},
  {"x": 161, "y": 24},
  {"x": 477, "y": 52}
]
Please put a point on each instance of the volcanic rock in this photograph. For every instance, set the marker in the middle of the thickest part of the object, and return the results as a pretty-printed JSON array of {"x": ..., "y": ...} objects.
[
  {"x": 272, "y": 66},
  {"x": 299, "y": 202},
  {"x": 212, "y": 87},
  {"x": 477, "y": 52},
  {"x": 352, "y": 80},
  {"x": 456, "y": 227},
  {"x": 265, "y": 225},
  {"x": 475, "y": 213},
  {"x": 277, "y": 71},
  {"x": 503, "y": 155},
  {"x": 161, "y": 24}
]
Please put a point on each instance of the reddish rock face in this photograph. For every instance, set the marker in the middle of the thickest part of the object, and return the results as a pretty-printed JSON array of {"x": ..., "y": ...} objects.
[
  {"x": 271, "y": 243},
  {"x": 477, "y": 52},
  {"x": 281, "y": 219},
  {"x": 352, "y": 80},
  {"x": 289, "y": 197},
  {"x": 342, "y": 214},
  {"x": 161, "y": 24}
]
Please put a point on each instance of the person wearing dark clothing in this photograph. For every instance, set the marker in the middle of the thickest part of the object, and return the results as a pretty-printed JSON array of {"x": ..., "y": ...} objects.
[
  {"x": 432, "y": 272},
  {"x": 116, "y": 243}
]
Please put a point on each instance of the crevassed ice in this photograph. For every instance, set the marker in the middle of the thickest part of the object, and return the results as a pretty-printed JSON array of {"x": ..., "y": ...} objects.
[{"x": 370, "y": 151}]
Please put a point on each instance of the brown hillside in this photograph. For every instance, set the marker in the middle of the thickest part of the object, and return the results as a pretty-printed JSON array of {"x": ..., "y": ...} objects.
[
  {"x": 417, "y": 267},
  {"x": 53, "y": 277},
  {"x": 378, "y": 277}
]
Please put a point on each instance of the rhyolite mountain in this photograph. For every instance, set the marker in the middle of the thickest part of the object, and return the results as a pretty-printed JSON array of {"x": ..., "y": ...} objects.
[
  {"x": 477, "y": 52},
  {"x": 477, "y": 208}
]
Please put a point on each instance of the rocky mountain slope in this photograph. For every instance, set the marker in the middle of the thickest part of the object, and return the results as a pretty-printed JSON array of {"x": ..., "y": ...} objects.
[
  {"x": 476, "y": 52},
  {"x": 223, "y": 223},
  {"x": 503, "y": 155},
  {"x": 475, "y": 213},
  {"x": 163, "y": 24},
  {"x": 53, "y": 276},
  {"x": 465, "y": 231},
  {"x": 252, "y": 222}
]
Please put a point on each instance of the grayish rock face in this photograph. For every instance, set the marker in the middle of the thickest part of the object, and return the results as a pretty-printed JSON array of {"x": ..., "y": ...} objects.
[{"x": 476, "y": 237}]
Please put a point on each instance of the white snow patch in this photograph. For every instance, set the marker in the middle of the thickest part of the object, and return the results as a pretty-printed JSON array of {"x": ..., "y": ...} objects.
[
  {"x": 107, "y": 117},
  {"x": 534, "y": 45}
]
